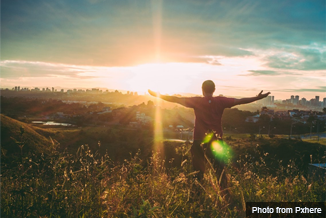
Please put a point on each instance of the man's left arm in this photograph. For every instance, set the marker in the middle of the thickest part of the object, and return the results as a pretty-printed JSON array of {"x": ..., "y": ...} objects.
[{"x": 252, "y": 99}]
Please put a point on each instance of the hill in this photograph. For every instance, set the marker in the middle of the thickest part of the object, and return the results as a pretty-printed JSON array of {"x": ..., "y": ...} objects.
[{"x": 16, "y": 135}]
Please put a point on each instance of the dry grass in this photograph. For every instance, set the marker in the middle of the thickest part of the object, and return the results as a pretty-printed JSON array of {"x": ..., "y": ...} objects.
[{"x": 87, "y": 184}]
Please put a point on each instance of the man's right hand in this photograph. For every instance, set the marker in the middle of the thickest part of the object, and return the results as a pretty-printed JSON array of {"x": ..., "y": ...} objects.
[{"x": 155, "y": 94}]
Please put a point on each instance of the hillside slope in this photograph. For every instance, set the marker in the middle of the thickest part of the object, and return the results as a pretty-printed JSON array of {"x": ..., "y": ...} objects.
[{"x": 15, "y": 133}]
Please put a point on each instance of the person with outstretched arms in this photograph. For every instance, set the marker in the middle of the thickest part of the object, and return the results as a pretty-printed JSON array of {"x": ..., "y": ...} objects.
[{"x": 208, "y": 116}]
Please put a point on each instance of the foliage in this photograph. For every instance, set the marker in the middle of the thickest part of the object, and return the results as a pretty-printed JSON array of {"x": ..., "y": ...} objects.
[{"x": 90, "y": 184}]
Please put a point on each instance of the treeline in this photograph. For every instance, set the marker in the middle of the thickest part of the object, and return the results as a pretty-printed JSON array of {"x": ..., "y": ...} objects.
[
  {"x": 19, "y": 106},
  {"x": 233, "y": 120}
]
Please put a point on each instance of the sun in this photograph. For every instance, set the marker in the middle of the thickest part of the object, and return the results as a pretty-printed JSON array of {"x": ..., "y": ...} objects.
[{"x": 166, "y": 78}]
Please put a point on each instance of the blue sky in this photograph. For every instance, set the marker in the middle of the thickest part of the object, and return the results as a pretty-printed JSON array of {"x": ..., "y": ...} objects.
[{"x": 244, "y": 46}]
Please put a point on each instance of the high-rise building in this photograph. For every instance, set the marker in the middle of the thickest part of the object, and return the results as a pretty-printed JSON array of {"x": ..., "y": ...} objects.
[
  {"x": 317, "y": 101},
  {"x": 268, "y": 100},
  {"x": 272, "y": 100},
  {"x": 312, "y": 102},
  {"x": 296, "y": 99},
  {"x": 292, "y": 99},
  {"x": 52, "y": 89},
  {"x": 303, "y": 101},
  {"x": 18, "y": 88},
  {"x": 324, "y": 102}
]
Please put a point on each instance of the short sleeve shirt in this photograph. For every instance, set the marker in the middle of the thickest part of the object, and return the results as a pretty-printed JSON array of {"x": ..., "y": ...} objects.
[{"x": 208, "y": 112}]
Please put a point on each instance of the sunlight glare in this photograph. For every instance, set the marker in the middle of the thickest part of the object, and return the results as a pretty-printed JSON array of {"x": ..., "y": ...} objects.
[
  {"x": 158, "y": 131},
  {"x": 221, "y": 150}
]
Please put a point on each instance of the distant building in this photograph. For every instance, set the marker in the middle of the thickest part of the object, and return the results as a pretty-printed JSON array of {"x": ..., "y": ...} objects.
[
  {"x": 292, "y": 99},
  {"x": 142, "y": 118},
  {"x": 253, "y": 119},
  {"x": 324, "y": 102},
  {"x": 317, "y": 101},
  {"x": 296, "y": 100},
  {"x": 105, "y": 110},
  {"x": 293, "y": 112},
  {"x": 303, "y": 101}
]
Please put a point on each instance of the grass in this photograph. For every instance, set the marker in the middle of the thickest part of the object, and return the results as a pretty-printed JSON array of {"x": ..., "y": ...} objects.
[
  {"x": 11, "y": 136},
  {"x": 315, "y": 140},
  {"x": 90, "y": 184}
]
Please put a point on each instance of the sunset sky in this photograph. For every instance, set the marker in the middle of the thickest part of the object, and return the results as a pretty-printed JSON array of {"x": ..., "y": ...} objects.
[{"x": 168, "y": 46}]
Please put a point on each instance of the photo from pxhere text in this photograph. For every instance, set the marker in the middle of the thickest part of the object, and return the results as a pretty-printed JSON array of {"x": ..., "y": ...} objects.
[{"x": 158, "y": 108}]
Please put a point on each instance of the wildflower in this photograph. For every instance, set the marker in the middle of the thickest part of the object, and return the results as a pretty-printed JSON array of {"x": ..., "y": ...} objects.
[
  {"x": 259, "y": 193},
  {"x": 183, "y": 162},
  {"x": 309, "y": 187},
  {"x": 247, "y": 175},
  {"x": 303, "y": 179},
  {"x": 295, "y": 180}
]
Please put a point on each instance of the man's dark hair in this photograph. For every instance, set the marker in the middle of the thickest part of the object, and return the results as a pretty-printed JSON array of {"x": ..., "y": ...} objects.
[{"x": 208, "y": 86}]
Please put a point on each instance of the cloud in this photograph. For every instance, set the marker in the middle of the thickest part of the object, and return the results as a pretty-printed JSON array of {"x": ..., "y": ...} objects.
[
  {"x": 19, "y": 69},
  {"x": 319, "y": 89},
  {"x": 121, "y": 33},
  {"x": 298, "y": 58},
  {"x": 213, "y": 61},
  {"x": 263, "y": 73},
  {"x": 268, "y": 73}
]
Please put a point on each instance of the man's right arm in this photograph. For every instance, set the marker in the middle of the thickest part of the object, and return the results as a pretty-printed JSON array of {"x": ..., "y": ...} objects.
[{"x": 168, "y": 98}]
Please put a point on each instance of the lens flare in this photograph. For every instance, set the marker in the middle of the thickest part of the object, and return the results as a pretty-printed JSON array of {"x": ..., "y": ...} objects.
[
  {"x": 221, "y": 151},
  {"x": 208, "y": 138},
  {"x": 158, "y": 131}
]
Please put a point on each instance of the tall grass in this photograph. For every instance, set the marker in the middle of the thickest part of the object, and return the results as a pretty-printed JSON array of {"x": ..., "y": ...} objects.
[{"x": 89, "y": 184}]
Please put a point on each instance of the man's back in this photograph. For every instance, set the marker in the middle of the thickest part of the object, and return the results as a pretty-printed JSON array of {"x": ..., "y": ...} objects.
[{"x": 208, "y": 112}]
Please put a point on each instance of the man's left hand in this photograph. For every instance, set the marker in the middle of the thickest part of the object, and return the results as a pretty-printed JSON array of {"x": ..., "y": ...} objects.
[{"x": 261, "y": 95}]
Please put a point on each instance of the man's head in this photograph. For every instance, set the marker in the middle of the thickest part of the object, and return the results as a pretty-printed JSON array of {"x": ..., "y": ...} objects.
[{"x": 208, "y": 88}]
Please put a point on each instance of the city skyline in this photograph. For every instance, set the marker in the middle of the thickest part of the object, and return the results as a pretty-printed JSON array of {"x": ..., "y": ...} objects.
[
  {"x": 243, "y": 46},
  {"x": 294, "y": 99}
]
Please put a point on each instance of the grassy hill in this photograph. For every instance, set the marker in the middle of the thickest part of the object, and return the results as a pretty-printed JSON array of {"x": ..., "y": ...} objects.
[{"x": 16, "y": 135}]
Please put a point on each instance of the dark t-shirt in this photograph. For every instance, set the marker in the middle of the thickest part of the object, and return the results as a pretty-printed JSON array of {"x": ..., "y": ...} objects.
[{"x": 208, "y": 112}]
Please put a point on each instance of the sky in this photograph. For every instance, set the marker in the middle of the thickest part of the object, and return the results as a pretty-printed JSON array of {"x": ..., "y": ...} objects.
[{"x": 167, "y": 46}]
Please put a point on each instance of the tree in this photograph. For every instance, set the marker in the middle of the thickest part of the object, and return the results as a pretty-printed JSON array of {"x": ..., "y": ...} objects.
[{"x": 150, "y": 103}]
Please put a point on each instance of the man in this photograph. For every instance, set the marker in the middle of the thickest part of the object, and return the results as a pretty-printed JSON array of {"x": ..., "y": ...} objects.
[{"x": 208, "y": 113}]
